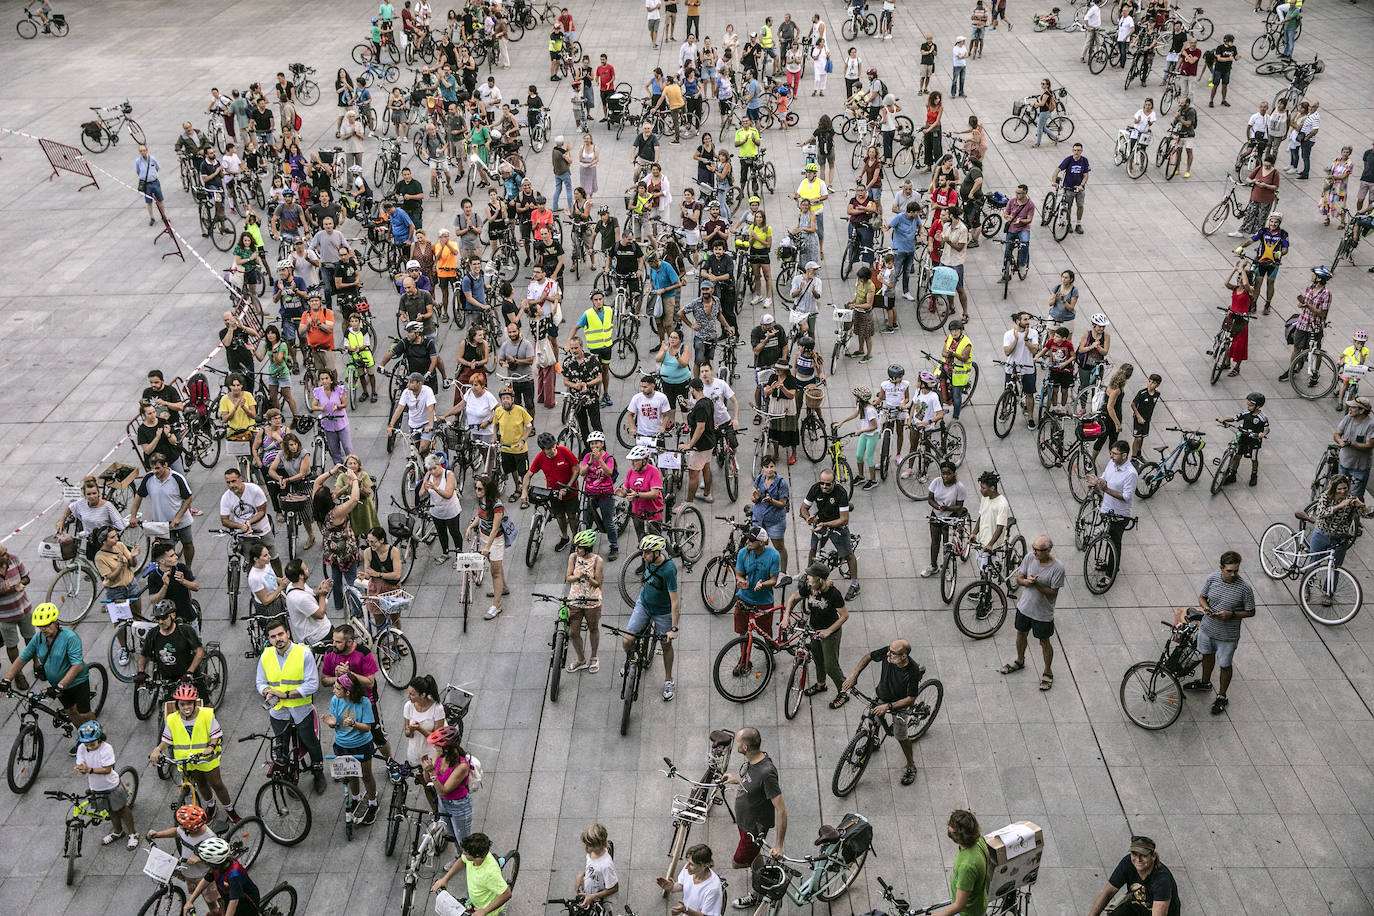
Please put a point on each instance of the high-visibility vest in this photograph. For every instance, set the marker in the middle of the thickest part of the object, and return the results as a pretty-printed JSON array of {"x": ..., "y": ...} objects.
[
  {"x": 599, "y": 328},
  {"x": 810, "y": 189},
  {"x": 962, "y": 363},
  {"x": 288, "y": 676},
  {"x": 556, "y": 43},
  {"x": 765, "y": 37},
  {"x": 197, "y": 741}
]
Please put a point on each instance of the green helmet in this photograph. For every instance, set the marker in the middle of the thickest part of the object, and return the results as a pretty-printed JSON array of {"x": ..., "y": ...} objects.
[
  {"x": 652, "y": 542},
  {"x": 585, "y": 538}
]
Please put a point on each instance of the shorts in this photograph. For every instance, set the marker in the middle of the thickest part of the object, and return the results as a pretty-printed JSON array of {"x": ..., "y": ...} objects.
[
  {"x": 555, "y": 55},
  {"x": 1040, "y": 629},
  {"x": 16, "y": 632},
  {"x": 836, "y": 537},
  {"x": 1140, "y": 428},
  {"x": 1062, "y": 378},
  {"x": 653, "y": 26},
  {"x": 515, "y": 463},
  {"x": 1221, "y": 77},
  {"x": 1267, "y": 269},
  {"x": 978, "y": 31},
  {"x": 747, "y": 850},
  {"x": 640, "y": 618},
  {"x": 759, "y": 256},
  {"x": 121, "y": 592},
  {"x": 741, "y": 616},
  {"x": 904, "y": 724},
  {"x": 361, "y": 750},
  {"x": 77, "y": 696},
  {"x": 698, "y": 459},
  {"x": 498, "y": 546},
  {"x": 602, "y": 353},
  {"x": 152, "y": 192},
  {"x": 283, "y": 382},
  {"x": 1301, "y": 339},
  {"x": 1027, "y": 382},
  {"x": 424, "y": 435},
  {"x": 1249, "y": 446},
  {"x": 182, "y": 534},
  {"x": 1223, "y": 649},
  {"x": 958, "y": 269},
  {"x": 115, "y": 800},
  {"x": 1186, "y": 142},
  {"x": 290, "y": 329},
  {"x": 776, "y": 530},
  {"x": 927, "y": 70},
  {"x": 1366, "y": 190},
  {"x": 563, "y": 508}
]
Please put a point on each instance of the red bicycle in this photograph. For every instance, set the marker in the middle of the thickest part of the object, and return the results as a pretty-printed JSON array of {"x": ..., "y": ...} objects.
[{"x": 745, "y": 664}]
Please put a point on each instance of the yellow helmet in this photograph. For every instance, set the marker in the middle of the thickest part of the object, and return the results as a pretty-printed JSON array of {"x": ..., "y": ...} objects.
[{"x": 44, "y": 614}]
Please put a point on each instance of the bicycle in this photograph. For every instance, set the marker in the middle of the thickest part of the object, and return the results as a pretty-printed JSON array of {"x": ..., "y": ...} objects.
[
  {"x": 981, "y": 607},
  {"x": 540, "y": 498},
  {"x": 1101, "y": 565},
  {"x": 510, "y": 870},
  {"x": 213, "y": 223},
  {"x": 957, "y": 545},
  {"x": 726, "y": 459},
  {"x": 391, "y": 647},
  {"x": 1151, "y": 693},
  {"x": 685, "y": 532},
  {"x": 833, "y": 869},
  {"x": 737, "y": 677},
  {"x": 210, "y": 680},
  {"x": 426, "y": 843},
  {"x": 1169, "y": 155},
  {"x": 859, "y": 21},
  {"x": 1133, "y": 151},
  {"x": 84, "y": 814},
  {"x": 810, "y": 429},
  {"x": 718, "y": 578},
  {"x": 1140, "y": 64},
  {"x": 1231, "y": 207},
  {"x": 78, "y": 583},
  {"x": 1329, "y": 594},
  {"x": 1011, "y": 262},
  {"x": 26, "y": 754},
  {"x": 944, "y": 375},
  {"x": 1313, "y": 372},
  {"x": 1221, "y": 343},
  {"x": 633, "y": 671},
  {"x": 279, "y": 804},
  {"x": 1024, "y": 113},
  {"x": 1359, "y": 226},
  {"x": 1060, "y": 216},
  {"x": 1014, "y": 901},
  {"x": 1009, "y": 401},
  {"x": 245, "y": 842},
  {"x": 1186, "y": 459},
  {"x": 946, "y": 442},
  {"x": 110, "y": 120},
  {"x": 342, "y": 768},
  {"x": 873, "y": 729},
  {"x": 30, "y": 25},
  {"x": 888, "y": 431},
  {"x": 695, "y": 807}
]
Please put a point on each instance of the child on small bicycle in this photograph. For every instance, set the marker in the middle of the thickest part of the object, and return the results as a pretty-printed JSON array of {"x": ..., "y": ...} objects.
[
  {"x": 191, "y": 830},
  {"x": 597, "y": 881},
  {"x": 866, "y": 453},
  {"x": 360, "y": 355},
  {"x": 1059, "y": 359},
  {"x": 95, "y": 759},
  {"x": 1357, "y": 354}
]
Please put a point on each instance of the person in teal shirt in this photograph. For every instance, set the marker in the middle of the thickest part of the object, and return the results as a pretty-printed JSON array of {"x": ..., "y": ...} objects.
[
  {"x": 758, "y": 565},
  {"x": 57, "y": 656},
  {"x": 968, "y": 881},
  {"x": 350, "y": 715}
]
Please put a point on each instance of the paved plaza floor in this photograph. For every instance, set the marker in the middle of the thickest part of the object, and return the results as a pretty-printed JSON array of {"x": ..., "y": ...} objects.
[{"x": 1266, "y": 809}]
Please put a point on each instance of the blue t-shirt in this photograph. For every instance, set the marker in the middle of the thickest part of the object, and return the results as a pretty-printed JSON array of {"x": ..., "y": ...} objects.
[
  {"x": 765, "y": 513},
  {"x": 1074, "y": 170},
  {"x": 755, "y": 99},
  {"x": 362, "y": 712},
  {"x": 756, "y": 568},
  {"x": 292, "y": 305},
  {"x": 663, "y": 276},
  {"x": 476, "y": 285},
  {"x": 65, "y": 652},
  {"x": 401, "y": 224},
  {"x": 233, "y": 883},
  {"x": 904, "y": 232},
  {"x": 658, "y": 582}
]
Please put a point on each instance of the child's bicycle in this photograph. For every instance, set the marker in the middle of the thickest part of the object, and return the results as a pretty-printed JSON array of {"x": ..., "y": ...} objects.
[
  {"x": 88, "y": 809},
  {"x": 245, "y": 842},
  {"x": 839, "y": 463}
]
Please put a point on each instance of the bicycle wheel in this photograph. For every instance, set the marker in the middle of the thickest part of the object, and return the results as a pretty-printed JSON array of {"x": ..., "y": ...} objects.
[
  {"x": 1271, "y": 68},
  {"x": 769, "y": 174},
  {"x": 629, "y": 690},
  {"x": 931, "y": 312},
  {"x": 284, "y": 812},
  {"x": 903, "y": 161},
  {"x": 1004, "y": 414},
  {"x": 631, "y": 580},
  {"x": 852, "y": 762},
  {"x": 688, "y": 532},
  {"x": 813, "y": 438},
  {"x": 1016, "y": 552},
  {"x": 955, "y": 443},
  {"x": 1151, "y": 695},
  {"x": 26, "y": 759},
  {"x": 1138, "y": 163},
  {"x": 245, "y": 840},
  {"x": 742, "y": 669},
  {"x": 534, "y": 540},
  {"x": 99, "y": 143},
  {"x": 885, "y": 454},
  {"x": 1172, "y": 163},
  {"x": 1313, "y": 376},
  {"x": 410, "y": 482},
  {"x": 910, "y": 477},
  {"x": 1049, "y": 442},
  {"x": 624, "y": 358},
  {"x": 123, "y": 660},
  {"x": 1014, "y": 129},
  {"x": 1223, "y": 467},
  {"x": 1080, "y": 465},
  {"x": 395, "y": 657},
  {"x": 279, "y": 901},
  {"x": 1100, "y": 565},
  {"x": 1150, "y": 479},
  {"x": 362, "y": 53},
  {"x": 1325, "y": 468},
  {"x": 1216, "y": 217},
  {"x": 980, "y": 610},
  {"x": 308, "y": 91},
  {"x": 929, "y": 698},
  {"x": 1202, "y": 28},
  {"x": 847, "y": 872},
  {"x": 1167, "y": 98},
  {"x": 1097, "y": 61},
  {"x": 74, "y": 592},
  {"x": 1330, "y": 596},
  {"x": 1192, "y": 465},
  {"x": 26, "y": 28},
  {"x": 1063, "y": 219},
  {"x": 1059, "y": 128},
  {"x": 556, "y": 659},
  {"x": 991, "y": 225},
  {"x": 168, "y": 900},
  {"x": 849, "y": 256},
  {"x": 1260, "y": 47},
  {"x": 731, "y": 472},
  {"x": 1084, "y": 523},
  {"x": 146, "y": 701}
]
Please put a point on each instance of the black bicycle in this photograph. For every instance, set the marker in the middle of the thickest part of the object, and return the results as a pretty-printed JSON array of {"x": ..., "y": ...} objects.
[
  {"x": 1151, "y": 693},
  {"x": 26, "y": 755},
  {"x": 633, "y": 671},
  {"x": 874, "y": 729},
  {"x": 102, "y": 133}
]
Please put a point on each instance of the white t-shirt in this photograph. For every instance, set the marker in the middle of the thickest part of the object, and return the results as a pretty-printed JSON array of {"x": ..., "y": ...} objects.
[
  {"x": 1259, "y": 125},
  {"x": 1092, "y": 19},
  {"x": 418, "y": 405},
  {"x": 300, "y": 605},
  {"x": 1021, "y": 356},
  {"x": 895, "y": 393},
  {"x": 959, "y": 54},
  {"x": 600, "y": 875},
  {"x": 308, "y": 272},
  {"x": 868, "y": 419},
  {"x": 232, "y": 164},
  {"x": 648, "y": 412},
  {"x": 103, "y": 756},
  {"x": 720, "y": 394},
  {"x": 542, "y": 289},
  {"x": 991, "y": 513},
  {"x": 489, "y": 95},
  {"x": 479, "y": 408},
  {"x": 260, "y": 579},
  {"x": 1123, "y": 28},
  {"x": 242, "y": 508},
  {"x": 946, "y": 495},
  {"x": 1142, "y": 121},
  {"x": 415, "y": 744},
  {"x": 704, "y": 898},
  {"x": 924, "y": 407},
  {"x": 652, "y": 7}
]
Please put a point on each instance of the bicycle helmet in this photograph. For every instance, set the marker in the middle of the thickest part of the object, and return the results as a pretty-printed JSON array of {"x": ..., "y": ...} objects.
[
  {"x": 443, "y": 737},
  {"x": 286, "y": 264},
  {"x": 895, "y": 371},
  {"x": 186, "y": 692},
  {"x": 1322, "y": 272},
  {"x": 44, "y": 614},
  {"x": 595, "y": 436},
  {"x": 164, "y": 608},
  {"x": 998, "y": 199},
  {"x": 652, "y": 542},
  {"x": 355, "y": 170},
  {"x": 757, "y": 533},
  {"x": 1361, "y": 336},
  {"x": 412, "y": 265},
  {"x": 638, "y": 453},
  {"x": 872, "y": 71},
  {"x": 190, "y": 817},
  {"x": 585, "y": 538},
  {"x": 927, "y": 378},
  {"x": 89, "y": 731},
  {"x": 812, "y": 167},
  {"x": 1255, "y": 398},
  {"x": 862, "y": 393},
  {"x": 990, "y": 478},
  {"x": 1100, "y": 320},
  {"x": 315, "y": 292},
  {"x": 769, "y": 882},
  {"x": 603, "y": 211},
  {"x": 753, "y": 199},
  {"x": 414, "y": 327},
  {"x": 807, "y": 343},
  {"x": 214, "y": 851},
  {"x": 547, "y": 440}
]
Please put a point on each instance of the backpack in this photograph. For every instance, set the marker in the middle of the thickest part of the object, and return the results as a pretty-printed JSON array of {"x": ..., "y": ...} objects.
[
  {"x": 474, "y": 774},
  {"x": 198, "y": 393},
  {"x": 856, "y": 836},
  {"x": 1209, "y": 57},
  {"x": 1290, "y": 327},
  {"x": 297, "y": 122}
]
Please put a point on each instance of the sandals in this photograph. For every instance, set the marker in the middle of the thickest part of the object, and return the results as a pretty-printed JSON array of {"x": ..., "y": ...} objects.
[
  {"x": 576, "y": 665},
  {"x": 1046, "y": 681},
  {"x": 594, "y": 667},
  {"x": 1011, "y": 666},
  {"x": 839, "y": 701},
  {"x": 111, "y": 838},
  {"x": 908, "y": 776},
  {"x": 1198, "y": 684},
  {"x": 813, "y": 690}
]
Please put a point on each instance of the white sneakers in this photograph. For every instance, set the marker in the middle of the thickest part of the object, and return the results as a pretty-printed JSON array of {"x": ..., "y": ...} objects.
[
  {"x": 928, "y": 572},
  {"x": 492, "y": 613}
]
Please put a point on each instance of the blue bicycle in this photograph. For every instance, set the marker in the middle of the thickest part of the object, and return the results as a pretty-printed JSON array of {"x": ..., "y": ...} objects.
[{"x": 1186, "y": 459}]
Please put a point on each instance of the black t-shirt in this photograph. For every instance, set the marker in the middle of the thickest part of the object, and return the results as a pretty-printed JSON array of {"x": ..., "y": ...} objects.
[
  {"x": 1253, "y": 423},
  {"x": 716, "y": 265},
  {"x": 703, "y": 412},
  {"x": 262, "y": 120},
  {"x": 1187, "y": 121},
  {"x": 770, "y": 354},
  {"x": 412, "y": 186},
  {"x": 147, "y": 434},
  {"x": 171, "y": 655},
  {"x": 549, "y": 253},
  {"x": 346, "y": 272},
  {"x": 758, "y": 786},
  {"x": 627, "y": 255},
  {"x": 417, "y": 355},
  {"x": 1144, "y": 892},
  {"x": 972, "y": 174},
  {"x": 1367, "y": 174},
  {"x": 1177, "y": 41},
  {"x": 1144, "y": 403},
  {"x": 319, "y": 211},
  {"x": 645, "y": 149},
  {"x": 168, "y": 393},
  {"x": 1224, "y": 66},
  {"x": 823, "y": 609},
  {"x": 237, "y": 351},
  {"x": 177, "y": 593},
  {"x": 827, "y": 506},
  {"x": 928, "y": 49},
  {"x": 896, "y": 682}
]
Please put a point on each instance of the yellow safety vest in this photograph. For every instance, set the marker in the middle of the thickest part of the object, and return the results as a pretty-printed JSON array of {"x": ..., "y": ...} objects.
[
  {"x": 810, "y": 189},
  {"x": 962, "y": 363},
  {"x": 197, "y": 741},
  {"x": 556, "y": 44},
  {"x": 765, "y": 37},
  {"x": 285, "y": 677},
  {"x": 599, "y": 328}
]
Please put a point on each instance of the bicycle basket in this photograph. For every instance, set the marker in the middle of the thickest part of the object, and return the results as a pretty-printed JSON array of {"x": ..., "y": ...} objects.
[
  {"x": 399, "y": 525},
  {"x": 769, "y": 882},
  {"x": 396, "y": 600},
  {"x": 787, "y": 252},
  {"x": 126, "y": 108},
  {"x": 539, "y": 495},
  {"x": 688, "y": 809},
  {"x": 1089, "y": 429},
  {"x": 856, "y": 836},
  {"x": 1017, "y": 107}
]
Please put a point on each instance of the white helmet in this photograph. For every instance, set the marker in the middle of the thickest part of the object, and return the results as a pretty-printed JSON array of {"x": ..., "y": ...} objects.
[
  {"x": 596, "y": 436},
  {"x": 1100, "y": 320},
  {"x": 355, "y": 170},
  {"x": 638, "y": 453},
  {"x": 286, "y": 264}
]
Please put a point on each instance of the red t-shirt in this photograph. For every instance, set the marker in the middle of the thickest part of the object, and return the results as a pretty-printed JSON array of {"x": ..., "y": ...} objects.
[
  {"x": 1061, "y": 349},
  {"x": 558, "y": 470},
  {"x": 1188, "y": 59},
  {"x": 605, "y": 77},
  {"x": 565, "y": 22}
]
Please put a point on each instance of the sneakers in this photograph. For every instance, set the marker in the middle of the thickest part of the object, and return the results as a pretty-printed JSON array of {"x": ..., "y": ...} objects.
[
  {"x": 319, "y": 782},
  {"x": 562, "y": 543},
  {"x": 928, "y": 572},
  {"x": 123, "y": 656},
  {"x": 1254, "y": 478},
  {"x": 1219, "y": 705},
  {"x": 870, "y": 484},
  {"x": 370, "y": 815},
  {"x": 756, "y": 300},
  {"x": 492, "y": 613},
  {"x": 908, "y": 297},
  {"x": 852, "y": 593},
  {"x": 746, "y": 902},
  {"x": 613, "y": 555},
  {"x": 1198, "y": 684},
  {"x": 1187, "y": 174},
  {"x": 667, "y": 691},
  {"x": 706, "y": 498},
  {"x": 1284, "y": 377},
  {"x": 1236, "y": 235},
  {"x": 1078, "y": 229},
  {"x": 890, "y": 330}
]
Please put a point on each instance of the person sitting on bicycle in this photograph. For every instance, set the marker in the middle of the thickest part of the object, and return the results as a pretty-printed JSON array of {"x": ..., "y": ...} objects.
[
  {"x": 1314, "y": 305},
  {"x": 898, "y": 683},
  {"x": 1020, "y": 213},
  {"x": 757, "y": 569},
  {"x": 658, "y": 605},
  {"x": 1254, "y": 428},
  {"x": 896, "y": 391},
  {"x": 1142, "y": 121},
  {"x": 826, "y": 510},
  {"x": 926, "y": 414},
  {"x": 287, "y": 677},
  {"x": 1357, "y": 354},
  {"x": 95, "y": 759},
  {"x": 191, "y": 729},
  {"x": 487, "y": 889},
  {"x": 1150, "y": 887},
  {"x": 191, "y": 831},
  {"x": 173, "y": 647},
  {"x": 644, "y": 486},
  {"x": 57, "y": 658},
  {"x": 228, "y": 878}
]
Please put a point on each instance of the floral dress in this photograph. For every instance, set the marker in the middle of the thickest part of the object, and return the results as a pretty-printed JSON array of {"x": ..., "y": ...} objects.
[{"x": 1333, "y": 196}]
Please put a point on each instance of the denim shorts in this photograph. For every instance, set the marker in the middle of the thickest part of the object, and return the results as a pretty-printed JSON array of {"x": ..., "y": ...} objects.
[
  {"x": 122, "y": 592},
  {"x": 1224, "y": 649},
  {"x": 640, "y": 617}
]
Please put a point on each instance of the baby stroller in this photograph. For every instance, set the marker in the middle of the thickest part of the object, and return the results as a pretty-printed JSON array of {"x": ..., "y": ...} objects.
[{"x": 617, "y": 112}]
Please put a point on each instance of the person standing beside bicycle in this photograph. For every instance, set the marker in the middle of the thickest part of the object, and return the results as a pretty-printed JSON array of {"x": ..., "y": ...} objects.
[
  {"x": 15, "y": 612},
  {"x": 287, "y": 679},
  {"x": 190, "y": 729},
  {"x": 757, "y": 568},
  {"x": 1314, "y": 305},
  {"x": 899, "y": 680},
  {"x": 990, "y": 526},
  {"x": 1020, "y": 344},
  {"x": 1185, "y": 120},
  {"x": 1225, "y": 600},
  {"x": 57, "y": 658},
  {"x": 346, "y": 658},
  {"x": 759, "y": 806},
  {"x": 1117, "y": 484},
  {"x": 1273, "y": 245},
  {"x": 1355, "y": 436},
  {"x": 1336, "y": 519},
  {"x": 95, "y": 759},
  {"x": 825, "y": 509},
  {"x": 174, "y": 649},
  {"x": 826, "y": 613}
]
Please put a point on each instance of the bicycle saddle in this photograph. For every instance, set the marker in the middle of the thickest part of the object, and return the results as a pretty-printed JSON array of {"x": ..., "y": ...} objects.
[
  {"x": 827, "y": 834},
  {"x": 1011, "y": 520},
  {"x": 722, "y": 737},
  {"x": 1302, "y": 516},
  {"x": 784, "y": 581}
]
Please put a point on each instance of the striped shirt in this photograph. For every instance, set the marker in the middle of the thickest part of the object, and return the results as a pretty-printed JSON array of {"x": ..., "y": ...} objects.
[{"x": 1225, "y": 596}]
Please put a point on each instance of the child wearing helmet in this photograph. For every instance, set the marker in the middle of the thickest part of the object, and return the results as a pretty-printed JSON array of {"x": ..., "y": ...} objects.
[
  {"x": 226, "y": 878},
  {"x": 95, "y": 759},
  {"x": 866, "y": 453},
  {"x": 1254, "y": 428},
  {"x": 598, "y": 473},
  {"x": 585, "y": 573},
  {"x": 1357, "y": 354},
  {"x": 192, "y": 831},
  {"x": 188, "y": 725}
]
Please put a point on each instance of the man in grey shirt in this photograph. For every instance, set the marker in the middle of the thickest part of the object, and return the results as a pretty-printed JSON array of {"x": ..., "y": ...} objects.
[
  {"x": 1040, "y": 576},
  {"x": 1226, "y": 599},
  {"x": 467, "y": 227},
  {"x": 326, "y": 244},
  {"x": 1355, "y": 436},
  {"x": 164, "y": 496},
  {"x": 515, "y": 357}
]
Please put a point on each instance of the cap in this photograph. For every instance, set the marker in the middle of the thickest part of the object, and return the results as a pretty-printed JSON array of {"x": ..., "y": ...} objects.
[
  {"x": 708, "y": 285},
  {"x": 1142, "y": 845},
  {"x": 766, "y": 319},
  {"x": 757, "y": 533},
  {"x": 959, "y": 39},
  {"x": 955, "y": 325},
  {"x": 415, "y": 377},
  {"x": 812, "y": 265},
  {"x": 412, "y": 265}
]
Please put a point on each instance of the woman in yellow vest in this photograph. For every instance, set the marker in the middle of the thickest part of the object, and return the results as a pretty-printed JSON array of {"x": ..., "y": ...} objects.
[
  {"x": 760, "y": 246},
  {"x": 191, "y": 730}
]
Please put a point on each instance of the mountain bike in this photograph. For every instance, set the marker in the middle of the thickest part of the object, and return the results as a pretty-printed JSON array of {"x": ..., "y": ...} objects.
[
  {"x": 873, "y": 729},
  {"x": 946, "y": 442},
  {"x": 1169, "y": 155},
  {"x": 1186, "y": 458},
  {"x": 1314, "y": 373},
  {"x": 540, "y": 498},
  {"x": 957, "y": 545},
  {"x": 1061, "y": 215},
  {"x": 26, "y": 754},
  {"x": 87, "y": 811},
  {"x": 1151, "y": 693},
  {"x": 110, "y": 120},
  {"x": 1329, "y": 594},
  {"x": 1358, "y": 227},
  {"x": 558, "y": 645},
  {"x": 981, "y": 607},
  {"x": 1134, "y": 151},
  {"x": 1011, "y": 262},
  {"x": 1140, "y": 66},
  {"x": 1231, "y": 207},
  {"x": 1101, "y": 565},
  {"x": 280, "y": 804},
  {"x": 695, "y": 807},
  {"x": 718, "y": 577},
  {"x": 633, "y": 671},
  {"x": 744, "y": 665}
]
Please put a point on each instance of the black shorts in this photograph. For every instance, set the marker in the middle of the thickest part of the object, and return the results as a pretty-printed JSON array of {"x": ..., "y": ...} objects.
[
  {"x": 602, "y": 353},
  {"x": 1301, "y": 339},
  {"x": 1249, "y": 446},
  {"x": 563, "y": 508},
  {"x": 1027, "y": 383},
  {"x": 759, "y": 256},
  {"x": 1040, "y": 629},
  {"x": 515, "y": 463},
  {"x": 76, "y": 696},
  {"x": 1267, "y": 269},
  {"x": 1062, "y": 378}
]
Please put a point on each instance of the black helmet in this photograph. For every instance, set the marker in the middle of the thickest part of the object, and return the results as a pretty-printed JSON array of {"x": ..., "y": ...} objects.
[
  {"x": 547, "y": 440},
  {"x": 895, "y": 371},
  {"x": 1255, "y": 398},
  {"x": 807, "y": 343}
]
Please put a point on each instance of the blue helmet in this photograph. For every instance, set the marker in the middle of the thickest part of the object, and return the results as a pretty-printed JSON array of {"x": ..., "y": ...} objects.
[{"x": 89, "y": 731}]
